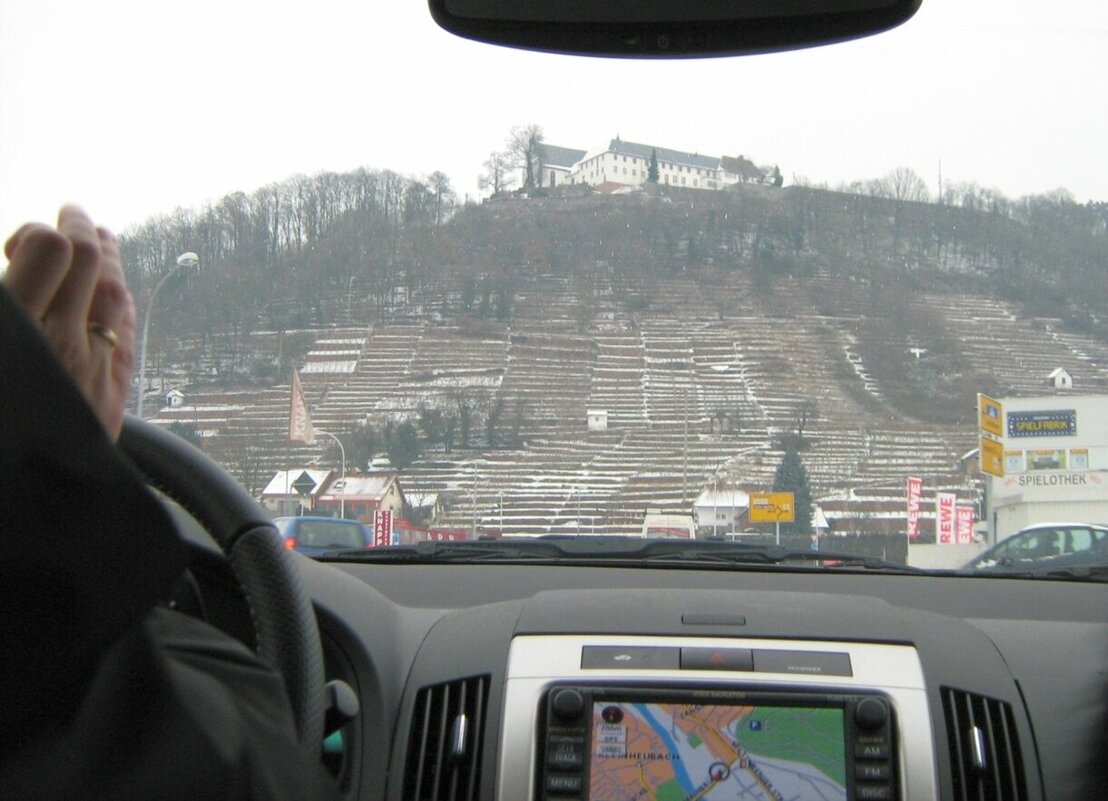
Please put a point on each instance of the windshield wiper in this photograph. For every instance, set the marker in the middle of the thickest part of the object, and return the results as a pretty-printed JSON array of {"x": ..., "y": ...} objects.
[
  {"x": 499, "y": 550},
  {"x": 609, "y": 549},
  {"x": 709, "y": 551},
  {"x": 1093, "y": 572}
]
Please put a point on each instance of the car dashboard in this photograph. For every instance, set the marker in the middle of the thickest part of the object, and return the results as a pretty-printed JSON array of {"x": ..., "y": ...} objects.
[{"x": 510, "y": 681}]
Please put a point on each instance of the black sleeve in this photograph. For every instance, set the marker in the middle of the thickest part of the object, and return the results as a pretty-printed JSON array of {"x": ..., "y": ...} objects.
[
  {"x": 102, "y": 693},
  {"x": 85, "y": 549},
  {"x": 177, "y": 710}
]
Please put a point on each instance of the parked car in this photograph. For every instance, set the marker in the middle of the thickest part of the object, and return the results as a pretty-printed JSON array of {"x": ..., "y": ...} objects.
[
  {"x": 1047, "y": 545},
  {"x": 315, "y": 535}
]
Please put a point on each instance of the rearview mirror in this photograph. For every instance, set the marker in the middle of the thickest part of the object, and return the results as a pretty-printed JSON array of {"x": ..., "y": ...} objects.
[{"x": 668, "y": 28}]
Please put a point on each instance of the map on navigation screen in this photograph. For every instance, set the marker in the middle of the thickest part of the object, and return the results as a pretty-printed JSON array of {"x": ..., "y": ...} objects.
[{"x": 714, "y": 752}]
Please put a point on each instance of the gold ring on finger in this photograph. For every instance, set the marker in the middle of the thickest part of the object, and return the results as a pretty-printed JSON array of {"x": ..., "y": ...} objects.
[{"x": 105, "y": 333}]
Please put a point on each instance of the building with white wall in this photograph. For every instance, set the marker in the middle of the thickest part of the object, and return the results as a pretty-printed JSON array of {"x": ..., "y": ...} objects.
[
  {"x": 1055, "y": 463},
  {"x": 628, "y": 164},
  {"x": 557, "y": 164}
]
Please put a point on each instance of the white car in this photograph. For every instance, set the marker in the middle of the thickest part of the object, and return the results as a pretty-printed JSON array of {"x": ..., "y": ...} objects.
[{"x": 1047, "y": 545}]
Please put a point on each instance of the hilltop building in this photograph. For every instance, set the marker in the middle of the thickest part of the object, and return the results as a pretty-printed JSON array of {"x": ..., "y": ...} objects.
[
  {"x": 557, "y": 164},
  {"x": 625, "y": 163}
]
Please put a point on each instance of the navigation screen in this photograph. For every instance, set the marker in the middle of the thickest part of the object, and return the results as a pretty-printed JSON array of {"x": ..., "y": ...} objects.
[{"x": 714, "y": 752}]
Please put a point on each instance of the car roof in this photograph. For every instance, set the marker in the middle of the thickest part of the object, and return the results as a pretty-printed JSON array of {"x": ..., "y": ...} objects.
[
  {"x": 319, "y": 519},
  {"x": 1063, "y": 524}
]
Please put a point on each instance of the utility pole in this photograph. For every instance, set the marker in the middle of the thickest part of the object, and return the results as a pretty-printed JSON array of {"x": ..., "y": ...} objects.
[
  {"x": 473, "y": 501},
  {"x": 685, "y": 448}
]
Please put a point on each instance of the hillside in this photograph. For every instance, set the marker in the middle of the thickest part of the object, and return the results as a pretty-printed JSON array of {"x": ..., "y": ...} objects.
[{"x": 710, "y": 326}]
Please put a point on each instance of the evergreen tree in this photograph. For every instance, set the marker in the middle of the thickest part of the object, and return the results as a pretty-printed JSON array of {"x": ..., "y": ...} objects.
[
  {"x": 402, "y": 446},
  {"x": 791, "y": 476},
  {"x": 187, "y": 432},
  {"x": 652, "y": 170}
]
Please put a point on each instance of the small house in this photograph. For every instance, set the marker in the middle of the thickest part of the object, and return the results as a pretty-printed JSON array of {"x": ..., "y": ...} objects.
[
  {"x": 1060, "y": 378},
  {"x": 598, "y": 419},
  {"x": 720, "y": 510},
  {"x": 294, "y": 492},
  {"x": 359, "y": 497}
]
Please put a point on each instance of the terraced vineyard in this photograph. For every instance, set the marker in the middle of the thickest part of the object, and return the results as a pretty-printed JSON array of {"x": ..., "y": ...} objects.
[{"x": 703, "y": 372}]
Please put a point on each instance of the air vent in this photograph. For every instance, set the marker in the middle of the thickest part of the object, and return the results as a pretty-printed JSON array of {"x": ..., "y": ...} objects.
[
  {"x": 984, "y": 749},
  {"x": 444, "y": 752}
]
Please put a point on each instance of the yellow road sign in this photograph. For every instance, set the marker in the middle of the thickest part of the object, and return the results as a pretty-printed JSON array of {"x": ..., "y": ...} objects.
[
  {"x": 990, "y": 415},
  {"x": 992, "y": 457},
  {"x": 772, "y": 507}
]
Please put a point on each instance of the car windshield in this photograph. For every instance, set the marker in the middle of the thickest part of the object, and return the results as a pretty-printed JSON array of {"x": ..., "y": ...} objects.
[{"x": 848, "y": 301}]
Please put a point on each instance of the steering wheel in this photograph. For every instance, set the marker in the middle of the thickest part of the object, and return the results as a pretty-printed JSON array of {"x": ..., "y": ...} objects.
[{"x": 285, "y": 625}]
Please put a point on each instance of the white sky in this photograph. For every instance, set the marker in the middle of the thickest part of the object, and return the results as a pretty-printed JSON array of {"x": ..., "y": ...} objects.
[{"x": 134, "y": 107}]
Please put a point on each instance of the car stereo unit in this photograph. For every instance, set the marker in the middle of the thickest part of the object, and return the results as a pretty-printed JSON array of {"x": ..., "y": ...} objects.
[{"x": 619, "y": 743}]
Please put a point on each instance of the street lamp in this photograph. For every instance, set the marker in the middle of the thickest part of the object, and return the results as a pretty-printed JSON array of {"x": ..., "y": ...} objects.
[{"x": 187, "y": 261}]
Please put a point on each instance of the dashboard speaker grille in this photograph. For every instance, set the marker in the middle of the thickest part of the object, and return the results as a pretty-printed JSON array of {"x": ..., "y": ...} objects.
[
  {"x": 444, "y": 751},
  {"x": 984, "y": 748}
]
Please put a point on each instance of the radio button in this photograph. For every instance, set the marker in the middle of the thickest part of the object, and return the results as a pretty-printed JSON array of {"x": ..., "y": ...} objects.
[
  {"x": 872, "y": 772},
  {"x": 871, "y": 714},
  {"x": 871, "y": 751},
  {"x": 567, "y": 705},
  {"x": 566, "y": 754},
  {"x": 873, "y": 792}
]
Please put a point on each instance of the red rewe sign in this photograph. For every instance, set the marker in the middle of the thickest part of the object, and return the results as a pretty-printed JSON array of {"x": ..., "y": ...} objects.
[
  {"x": 965, "y": 521},
  {"x": 915, "y": 491},
  {"x": 945, "y": 510}
]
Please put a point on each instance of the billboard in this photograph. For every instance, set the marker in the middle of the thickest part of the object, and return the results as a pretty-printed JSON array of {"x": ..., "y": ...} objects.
[
  {"x": 964, "y": 520},
  {"x": 1057, "y": 423},
  {"x": 382, "y": 528},
  {"x": 915, "y": 491},
  {"x": 1046, "y": 459},
  {"x": 945, "y": 506}
]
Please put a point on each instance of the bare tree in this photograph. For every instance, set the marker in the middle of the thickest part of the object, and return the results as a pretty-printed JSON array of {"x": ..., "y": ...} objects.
[
  {"x": 497, "y": 175},
  {"x": 442, "y": 194},
  {"x": 524, "y": 146},
  {"x": 902, "y": 184},
  {"x": 807, "y": 412}
]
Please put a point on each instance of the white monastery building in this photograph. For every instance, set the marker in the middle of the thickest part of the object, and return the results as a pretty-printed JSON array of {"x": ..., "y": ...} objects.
[{"x": 620, "y": 164}]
